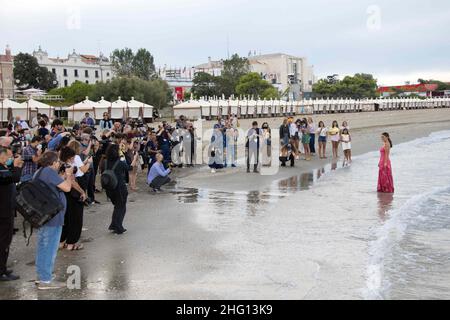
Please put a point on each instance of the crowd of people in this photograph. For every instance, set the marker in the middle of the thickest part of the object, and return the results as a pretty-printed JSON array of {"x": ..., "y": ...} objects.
[
  {"x": 298, "y": 139},
  {"x": 71, "y": 161}
]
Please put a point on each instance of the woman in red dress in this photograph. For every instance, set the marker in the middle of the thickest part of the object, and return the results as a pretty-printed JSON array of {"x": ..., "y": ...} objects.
[{"x": 385, "y": 180}]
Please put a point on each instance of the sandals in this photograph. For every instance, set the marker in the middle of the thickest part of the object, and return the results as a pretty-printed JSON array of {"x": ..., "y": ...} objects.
[
  {"x": 62, "y": 245},
  {"x": 75, "y": 247}
]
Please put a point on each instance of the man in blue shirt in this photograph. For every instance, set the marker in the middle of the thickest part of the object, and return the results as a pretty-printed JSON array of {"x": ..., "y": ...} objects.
[
  {"x": 158, "y": 175},
  {"x": 88, "y": 120}
]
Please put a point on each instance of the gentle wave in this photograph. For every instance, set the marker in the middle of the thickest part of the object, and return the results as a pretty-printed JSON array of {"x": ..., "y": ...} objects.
[{"x": 391, "y": 233}]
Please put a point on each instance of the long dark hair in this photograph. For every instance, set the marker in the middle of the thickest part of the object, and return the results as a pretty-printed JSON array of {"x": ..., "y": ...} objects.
[
  {"x": 385, "y": 134},
  {"x": 112, "y": 153}
]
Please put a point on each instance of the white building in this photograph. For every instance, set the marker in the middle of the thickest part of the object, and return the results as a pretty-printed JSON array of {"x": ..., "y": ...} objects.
[
  {"x": 289, "y": 74},
  {"x": 76, "y": 67},
  {"x": 178, "y": 79}
]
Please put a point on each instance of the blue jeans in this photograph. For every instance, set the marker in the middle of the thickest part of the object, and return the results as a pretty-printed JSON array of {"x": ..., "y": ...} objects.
[{"x": 46, "y": 250}]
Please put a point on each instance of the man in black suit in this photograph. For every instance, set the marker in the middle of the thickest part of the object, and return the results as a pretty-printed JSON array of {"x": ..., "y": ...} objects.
[{"x": 10, "y": 172}]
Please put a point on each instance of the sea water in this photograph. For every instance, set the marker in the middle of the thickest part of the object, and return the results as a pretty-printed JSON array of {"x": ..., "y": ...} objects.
[{"x": 329, "y": 234}]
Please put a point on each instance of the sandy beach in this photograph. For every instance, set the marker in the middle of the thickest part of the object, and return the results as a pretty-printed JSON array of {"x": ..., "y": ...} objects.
[{"x": 232, "y": 235}]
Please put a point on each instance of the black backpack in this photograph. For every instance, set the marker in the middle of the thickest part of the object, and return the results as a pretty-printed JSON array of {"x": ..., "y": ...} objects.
[
  {"x": 109, "y": 179},
  {"x": 37, "y": 202}
]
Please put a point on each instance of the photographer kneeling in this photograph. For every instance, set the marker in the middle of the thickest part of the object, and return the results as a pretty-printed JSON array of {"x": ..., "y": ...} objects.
[
  {"x": 10, "y": 172},
  {"x": 158, "y": 175}
]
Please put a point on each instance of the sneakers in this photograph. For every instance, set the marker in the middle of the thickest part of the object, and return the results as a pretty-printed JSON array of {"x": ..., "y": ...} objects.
[
  {"x": 121, "y": 232},
  {"x": 213, "y": 170},
  {"x": 8, "y": 277},
  {"x": 51, "y": 285}
]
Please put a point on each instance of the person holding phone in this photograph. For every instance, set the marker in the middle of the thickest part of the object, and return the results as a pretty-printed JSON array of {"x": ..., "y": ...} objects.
[{"x": 30, "y": 155}]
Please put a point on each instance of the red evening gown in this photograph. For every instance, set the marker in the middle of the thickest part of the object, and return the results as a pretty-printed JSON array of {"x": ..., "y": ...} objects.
[{"x": 385, "y": 179}]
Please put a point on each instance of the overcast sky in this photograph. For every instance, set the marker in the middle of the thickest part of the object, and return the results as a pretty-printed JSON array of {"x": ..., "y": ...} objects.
[{"x": 397, "y": 41}]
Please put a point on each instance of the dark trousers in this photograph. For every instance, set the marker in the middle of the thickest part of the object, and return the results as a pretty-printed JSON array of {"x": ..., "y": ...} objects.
[
  {"x": 312, "y": 143},
  {"x": 283, "y": 160},
  {"x": 91, "y": 185},
  {"x": 119, "y": 200},
  {"x": 6, "y": 233},
  {"x": 73, "y": 221},
  {"x": 253, "y": 153},
  {"x": 159, "y": 181}
]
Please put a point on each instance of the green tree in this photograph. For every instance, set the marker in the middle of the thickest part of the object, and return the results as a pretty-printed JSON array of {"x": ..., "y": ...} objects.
[
  {"x": 74, "y": 93},
  {"x": 441, "y": 85},
  {"x": 154, "y": 92},
  {"x": 127, "y": 64},
  {"x": 204, "y": 85},
  {"x": 122, "y": 62},
  {"x": 359, "y": 86},
  {"x": 252, "y": 84},
  {"x": 233, "y": 69},
  {"x": 31, "y": 75},
  {"x": 143, "y": 65},
  {"x": 270, "y": 93}
]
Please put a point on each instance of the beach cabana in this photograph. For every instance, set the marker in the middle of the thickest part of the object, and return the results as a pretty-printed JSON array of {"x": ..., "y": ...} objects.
[
  {"x": 147, "y": 112},
  {"x": 76, "y": 112},
  {"x": 11, "y": 109},
  {"x": 234, "y": 107},
  {"x": 34, "y": 107},
  {"x": 205, "y": 107},
  {"x": 191, "y": 109}
]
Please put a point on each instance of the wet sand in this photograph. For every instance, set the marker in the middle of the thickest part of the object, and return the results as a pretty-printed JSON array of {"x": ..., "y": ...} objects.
[{"x": 222, "y": 236}]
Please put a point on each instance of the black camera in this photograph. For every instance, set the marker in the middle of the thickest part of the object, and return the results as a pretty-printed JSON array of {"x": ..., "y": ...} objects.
[{"x": 16, "y": 147}]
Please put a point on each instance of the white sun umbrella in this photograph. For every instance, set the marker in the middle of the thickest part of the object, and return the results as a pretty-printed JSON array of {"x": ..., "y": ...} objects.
[
  {"x": 205, "y": 108},
  {"x": 251, "y": 110},
  {"x": 266, "y": 107},
  {"x": 10, "y": 109},
  {"x": 224, "y": 105},
  {"x": 259, "y": 107},
  {"x": 234, "y": 107},
  {"x": 243, "y": 104},
  {"x": 191, "y": 109},
  {"x": 35, "y": 107},
  {"x": 76, "y": 112}
]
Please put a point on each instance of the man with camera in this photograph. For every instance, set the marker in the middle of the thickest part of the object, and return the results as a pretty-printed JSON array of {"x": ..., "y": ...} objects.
[
  {"x": 10, "y": 172},
  {"x": 30, "y": 156}
]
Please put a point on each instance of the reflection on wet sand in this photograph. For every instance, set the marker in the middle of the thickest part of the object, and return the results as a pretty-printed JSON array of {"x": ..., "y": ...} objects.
[
  {"x": 384, "y": 204},
  {"x": 221, "y": 202}
]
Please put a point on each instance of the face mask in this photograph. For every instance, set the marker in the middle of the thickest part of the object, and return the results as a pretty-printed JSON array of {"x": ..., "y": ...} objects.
[{"x": 9, "y": 162}]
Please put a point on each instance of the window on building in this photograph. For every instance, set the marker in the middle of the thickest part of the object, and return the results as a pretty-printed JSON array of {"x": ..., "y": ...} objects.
[
  {"x": 86, "y": 73},
  {"x": 96, "y": 73},
  {"x": 66, "y": 83},
  {"x": 65, "y": 72},
  {"x": 75, "y": 73},
  {"x": 54, "y": 71},
  {"x": 87, "y": 81},
  {"x": 96, "y": 81},
  {"x": 107, "y": 74}
]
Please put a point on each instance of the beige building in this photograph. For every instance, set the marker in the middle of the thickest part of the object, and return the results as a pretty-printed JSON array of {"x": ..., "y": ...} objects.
[
  {"x": 291, "y": 75},
  {"x": 6, "y": 74}
]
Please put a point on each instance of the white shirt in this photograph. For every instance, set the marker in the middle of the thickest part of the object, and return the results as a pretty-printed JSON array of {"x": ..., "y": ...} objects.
[
  {"x": 293, "y": 129},
  {"x": 77, "y": 162},
  {"x": 323, "y": 131}
]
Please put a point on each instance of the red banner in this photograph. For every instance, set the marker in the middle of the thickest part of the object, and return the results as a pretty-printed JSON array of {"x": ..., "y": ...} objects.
[{"x": 179, "y": 93}]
